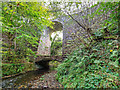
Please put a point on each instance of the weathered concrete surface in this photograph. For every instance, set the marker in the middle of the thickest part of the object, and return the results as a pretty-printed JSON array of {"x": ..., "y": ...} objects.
[{"x": 44, "y": 43}]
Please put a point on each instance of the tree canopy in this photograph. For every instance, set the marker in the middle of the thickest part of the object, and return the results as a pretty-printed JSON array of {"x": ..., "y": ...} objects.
[{"x": 22, "y": 23}]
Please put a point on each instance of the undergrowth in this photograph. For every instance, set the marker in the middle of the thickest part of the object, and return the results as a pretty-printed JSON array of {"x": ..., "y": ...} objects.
[{"x": 96, "y": 67}]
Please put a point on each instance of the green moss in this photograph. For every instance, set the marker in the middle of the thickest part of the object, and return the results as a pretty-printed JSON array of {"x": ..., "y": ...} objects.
[{"x": 53, "y": 64}]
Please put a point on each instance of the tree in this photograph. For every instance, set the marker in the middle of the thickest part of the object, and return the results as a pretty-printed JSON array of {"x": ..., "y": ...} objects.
[{"x": 22, "y": 25}]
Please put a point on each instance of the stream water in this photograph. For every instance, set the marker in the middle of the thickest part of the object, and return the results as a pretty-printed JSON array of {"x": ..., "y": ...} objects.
[{"x": 15, "y": 82}]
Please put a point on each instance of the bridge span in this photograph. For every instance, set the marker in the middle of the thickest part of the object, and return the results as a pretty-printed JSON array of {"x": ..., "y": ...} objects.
[
  {"x": 44, "y": 60},
  {"x": 50, "y": 58}
]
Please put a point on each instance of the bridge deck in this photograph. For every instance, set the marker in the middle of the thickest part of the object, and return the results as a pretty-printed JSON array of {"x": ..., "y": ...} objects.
[{"x": 47, "y": 58}]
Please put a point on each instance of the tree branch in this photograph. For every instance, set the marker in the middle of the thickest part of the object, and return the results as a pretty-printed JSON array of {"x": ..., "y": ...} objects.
[
  {"x": 76, "y": 20},
  {"x": 88, "y": 30},
  {"x": 13, "y": 27}
]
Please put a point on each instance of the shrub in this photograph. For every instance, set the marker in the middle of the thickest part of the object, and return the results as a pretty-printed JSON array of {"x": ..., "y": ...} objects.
[
  {"x": 11, "y": 69},
  {"x": 95, "y": 67}
]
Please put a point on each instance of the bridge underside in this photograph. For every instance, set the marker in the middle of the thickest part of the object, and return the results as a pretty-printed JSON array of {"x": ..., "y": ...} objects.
[
  {"x": 44, "y": 60},
  {"x": 43, "y": 64},
  {"x": 50, "y": 58}
]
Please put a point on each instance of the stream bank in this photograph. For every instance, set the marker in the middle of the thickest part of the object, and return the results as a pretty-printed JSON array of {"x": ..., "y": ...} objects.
[{"x": 40, "y": 78}]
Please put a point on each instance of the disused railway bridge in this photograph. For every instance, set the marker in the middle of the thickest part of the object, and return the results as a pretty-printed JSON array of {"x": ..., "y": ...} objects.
[{"x": 72, "y": 32}]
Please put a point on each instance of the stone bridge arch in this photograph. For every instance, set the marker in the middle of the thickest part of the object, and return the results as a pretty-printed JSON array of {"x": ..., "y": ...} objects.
[
  {"x": 73, "y": 32},
  {"x": 70, "y": 26},
  {"x": 45, "y": 43}
]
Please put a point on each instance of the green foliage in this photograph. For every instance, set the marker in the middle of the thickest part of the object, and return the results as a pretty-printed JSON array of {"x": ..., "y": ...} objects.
[
  {"x": 56, "y": 45},
  {"x": 11, "y": 69},
  {"x": 42, "y": 78},
  {"x": 95, "y": 67},
  {"x": 22, "y": 25},
  {"x": 53, "y": 64},
  {"x": 110, "y": 10}
]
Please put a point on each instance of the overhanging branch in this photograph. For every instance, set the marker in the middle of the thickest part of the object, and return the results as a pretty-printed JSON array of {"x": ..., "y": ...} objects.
[{"x": 76, "y": 20}]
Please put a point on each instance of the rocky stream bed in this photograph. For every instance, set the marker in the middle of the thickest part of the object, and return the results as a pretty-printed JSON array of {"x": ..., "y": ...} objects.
[{"x": 40, "y": 78}]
